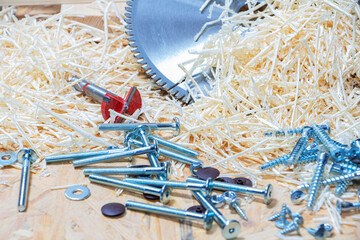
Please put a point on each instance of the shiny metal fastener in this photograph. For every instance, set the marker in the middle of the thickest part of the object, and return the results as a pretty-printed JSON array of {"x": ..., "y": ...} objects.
[{"x": 77, "y": 192}]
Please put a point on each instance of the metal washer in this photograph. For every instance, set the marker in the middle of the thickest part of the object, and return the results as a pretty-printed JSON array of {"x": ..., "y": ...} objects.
[
  {"x": 12, "y": 157},
  {"x": 70, "y": 192}
]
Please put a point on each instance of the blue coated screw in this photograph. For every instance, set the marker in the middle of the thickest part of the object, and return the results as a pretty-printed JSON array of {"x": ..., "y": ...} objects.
[
  {"x": 282, "y": 222},
  {"x": 343, "y": 206},
  {"x": 341, "y": 188},
  {"x": 174, "y": 146},
  {"x": 292, "y": 131},
  {"x": 322, "y": 232},
  {"x": 299, "y": 146},
  {"x": 294, "y": 225},
  {"x": 306, "y": 157},
  {"x": 235, "y": 205}
]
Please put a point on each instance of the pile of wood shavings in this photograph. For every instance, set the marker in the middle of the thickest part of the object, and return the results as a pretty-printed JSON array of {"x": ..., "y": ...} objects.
[{"x": 299, "y": 63}]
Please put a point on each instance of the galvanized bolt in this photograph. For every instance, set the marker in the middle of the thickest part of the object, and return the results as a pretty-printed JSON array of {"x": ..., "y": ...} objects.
[
  {"x": 174, "y": 146},
  {"x": 282, "y": 222},
  {"x": 116, "y": 156},
  {"x": 299, "y": 146},
  {"x": 343, "y": 206},
  {"x": 164, "y": 193},
  {"x": 26, "y": 157},
  {"x": 207, "y": 217},
  {"x": 316, "y": 180},
  {"x": 294, "y": 225},
  {"x": 164, "y": 169},
  {"x": 337, "y": 153},
  {"x": 174, "y": 184},
  {"x": 296, "y": 131},
  {"x": 175, "y": 125},
  {"x": 235, "y": 205},
  {"x": 80, "y": 155},
  {"x": 322, "y": 232},
  {"x": 230, "y": 228},
  {"x": 265, "y": 193}
]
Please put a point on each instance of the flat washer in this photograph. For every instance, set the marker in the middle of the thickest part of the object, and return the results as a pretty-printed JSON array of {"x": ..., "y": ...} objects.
[
  {"x": 70, "y": 192},
  {"x": 7, "y": 158}
]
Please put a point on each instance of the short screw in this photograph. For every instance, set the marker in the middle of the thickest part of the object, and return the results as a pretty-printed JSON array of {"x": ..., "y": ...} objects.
[
  {"x": 164, "y": 169},
  {"x": 337, "y": 153},
  {"x": 116, "y": 156},
  {"x": 230, "y": 228},
  {"x": 343, "y": 206},
  {"x": 341, "y": 188},
  {"x": 266, "y": 193},
  {"x": 299, "y": 146},
  {"x": 175, "y": 125},
  {"x": 282, "y": 222},
  {"x": 292, "y": 131},
  {"x": 164, "y": 193},
  {"x": 316, "y": 181},
  {"x": 294, "y": 225},
  {"x": 322, "y": 232},
  {"x": 207, "y": 217},
  {"x": 278, "y": 215},
  {"x": 235, "y": 205},
  {"x": 26, "y": 157}
]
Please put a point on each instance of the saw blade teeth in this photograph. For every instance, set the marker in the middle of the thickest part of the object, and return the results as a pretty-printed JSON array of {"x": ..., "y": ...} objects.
[
  {"x": 128, "y": 15},
  {"x": 141, "y": 61},
  {"x": 150, "y": 72},
  {"x": 130, "y": 3},
  {"x": 129, "y": 32},
  {"x": 131, "y": 39},
  {"x": 132, "y": 44},
  {"x": 129, "y": 9},
  {"x": 129, "y": 27},
  {"x": 145, "y": 67},
  {"x": 135, "y": 50},
  {"x": 127, "y": 20}
]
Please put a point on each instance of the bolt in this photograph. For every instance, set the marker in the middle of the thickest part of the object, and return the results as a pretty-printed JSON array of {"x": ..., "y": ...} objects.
[
  {"x": 294, "y": 225},
  {"x": 343, "y": 206},
  {"x": 282, "y": 222},
  {"x": 206, "y": 217},
  {"x": 174, "y": 146},
  {"x": 316, "y": 180},
  {"x": 116, "y": 156},
  {"x": 296, "y": 131},
  {"x": 235, "y": 205},
  {"x": 175, "y": 125},
  {"x": 337, "y": 153},
  {"x": 164, "y": 169},
  {"x": 164, "y": 193},
  {"x": 230, "y": 228},
  {"x": 322, "y": 232},
  {"x": 266, "y": 193},
  {"x": 299, "y": 146},
  {"x": 174, "y": 184},
  {"x": 79, "y": 155},
  {"x": 26, "y": 157}
]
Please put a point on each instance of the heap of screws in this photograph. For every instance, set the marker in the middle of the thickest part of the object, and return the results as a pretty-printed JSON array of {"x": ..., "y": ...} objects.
[
  {"x": 282, "y": 222},
  {"x": 315, "y": 145},
  {"x": 138, "y": 141}
]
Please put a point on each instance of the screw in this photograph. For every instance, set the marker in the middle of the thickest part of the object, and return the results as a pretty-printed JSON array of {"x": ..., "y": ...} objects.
[
  {"x": 299, "y": 146},
  {"x": 346, "y": 166},
  {"x": 294, "y": 225},
  {"x": 79, "y": 155},
  {"x": 174, "y": 184},
  {"x": 322, "y": 232},
  {"x": 26, "y": 157},
  {"x": 174, "y": 146},
  {"x": 175, "y": 125},
  {"x": 206, "y": 217},
  {"x": 278, "y": 215},
  {"x": 218, "y": 200},
  {"x": 235, "y": 205},
  {"x": 164, "y": 193},
  {"x": 296, "y": 131},
  {"x": 229, "y": 196},
  {"x": 337, "y": 153},
  {"x": 266, "y": 193},
  {"x": 341, "y": 188},
  {"x": 343, "y": 206},
  {"x": 297, "y": 196},
  {"x": 316, "y": 181},
  {"x": 282, "y": 222},
  {"x": 230, "y": 228},
  {"x": 116, "y": 156},
  {"x": 164, "y": 169}
]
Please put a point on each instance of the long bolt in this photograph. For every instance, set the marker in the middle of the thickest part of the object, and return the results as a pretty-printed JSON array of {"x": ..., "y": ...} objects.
[
  {"x": 235, "y": 205},
  {"x": 174, "y": 146},
  {"x": 230, "y": 228},
  {"x": 116, "y": 156},
  {"x": 299, "y": 146},
  {"x": 337, "y": 153},
  {"x": 296, "y": 131},
  {"x": 165, "y": 170},
  {"x": 207, "y": 217},
  {"x": 266, "y": 193},
  {"x": 316, "y": 181},
  {"x": 343, "y": 206},
  {"x": 80, "y": 155},
  {"x": 174, "y": 184},
  {"x": 26, "y": 157},
  {"x": 164, "y": 193},
  {"x": 175, "y": 125}
]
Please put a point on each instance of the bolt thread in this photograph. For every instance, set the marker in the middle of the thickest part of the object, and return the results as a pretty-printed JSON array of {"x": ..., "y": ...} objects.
[
  {"x": 274, "y": 217},
  {"x": 341, "y": 188},
  {"x": 336, "y": 151},
  {"x": 349, "y": 166},
  {"x": 306, "y": 157},
  {"x": 342, "y": 178},
  {"x": 290, "y": 228},
  {"x": 283, "y": 213},
  {"x": 240, "y": 212},
  {"x": 297, "y": 151}
]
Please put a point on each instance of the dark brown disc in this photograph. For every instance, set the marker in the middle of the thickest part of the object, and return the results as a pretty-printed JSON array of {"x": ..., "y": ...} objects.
[
  {"x": 225, "y": 179},
  {"x": 243, "y": 181},
  {"x": 113, "y": 209},
  {"x": 208, "y": 172},
  {"x": 150, "y": 196},
  {"x": 196, "y": 209},
  {"x": 141, "y": 166}
]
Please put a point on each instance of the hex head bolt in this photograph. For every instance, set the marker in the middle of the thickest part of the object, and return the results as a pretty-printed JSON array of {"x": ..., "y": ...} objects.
[
  {"x": 343, "y": 206},
  {"x": 164, "y": 169},
  {"x": 175, "y": 125},
  {"x": 206, "y": 217},
  {"x": 80, "y": 155},
  {"x": 174, "y": 184},
  {"x": 294, "y": 225},
  {"x": 230, "y": 228},
  {"x": 337, "y": 153},
  {"x": 265, "y": 193},
  {"x": 235, "y": 205},
  {"x": 316, "y": 180},
  {"x": 299, "y": 146},
  {"x": 116, "y": 156},
  {"x": 164, "y": 193},
  {"x": 282, "y": 222},
  {"x": 26, "y": 157}
]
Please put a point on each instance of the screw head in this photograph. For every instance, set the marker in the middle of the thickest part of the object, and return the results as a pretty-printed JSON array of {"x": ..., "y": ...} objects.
[
  {"x": 234, "y": 201},
  {"x": 165, "y": 194},
  {"x": 194, "y": 168},
  {"x": 31, "y": 152},
  {"x": 142, "y": 129},
  {"x": 268, "y": 194},
  {"x": 297, "y": 197},
  {"x": 217, "y": 200},
  {"x": 177, "y": 124},
  {"x": 231, "y": 229},
  {"x": 356, "y": 143},
  {"x": 297, "y": 218},
  {"x": 229, "y": 196},
  {"x": 167, "y": 169},
  {"x": 208, "y": 219}
]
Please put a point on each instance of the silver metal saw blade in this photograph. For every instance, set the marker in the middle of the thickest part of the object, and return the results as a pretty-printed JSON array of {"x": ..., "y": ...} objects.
[{"x": 161, "y": 33}]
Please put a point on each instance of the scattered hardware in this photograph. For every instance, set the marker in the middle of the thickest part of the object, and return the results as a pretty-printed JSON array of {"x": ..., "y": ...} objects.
[
  {"x": 294, "y": 224},
  {"x": 322, "y": 232},
  {"x": 225, "y": 179},
  {"x": 235, "y": 205},
  {"x": 77, "y": 192},
  {"x": 229, "y": 196},
  {"x": 113, "y": 209},
  {"x": 7, "y": 158},
  {"x": 26, "y": 157},
  {"x": 280, "y": 217},
  {"x": 108, "y": 100},
  {"x": 141, "y": 175},
  {"x": 218, "y": 200}
]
